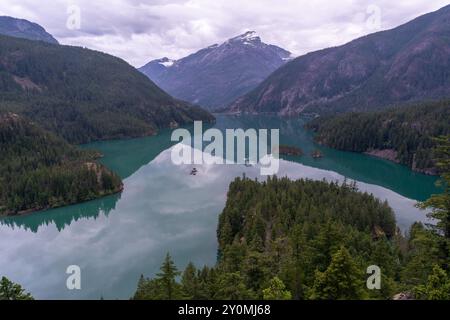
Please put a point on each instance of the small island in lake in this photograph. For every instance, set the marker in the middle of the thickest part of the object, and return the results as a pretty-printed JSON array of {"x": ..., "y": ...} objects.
[
  {"x": 290, "y": 151},
  {"x": 317, "y": 154}
]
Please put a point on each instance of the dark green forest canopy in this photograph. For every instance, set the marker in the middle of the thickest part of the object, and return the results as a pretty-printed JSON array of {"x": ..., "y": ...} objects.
[
  {"x": 407, "y": 130},
  {"x": 274, "y": 235},
  {"x": 284, "y": 239},
  {"x": 84, "y": 95},
  {"x": 292, "y": 229},
  {"x": 39, "y": 170}
]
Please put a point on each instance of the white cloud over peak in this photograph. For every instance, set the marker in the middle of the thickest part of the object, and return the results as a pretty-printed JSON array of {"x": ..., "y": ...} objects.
[{"x": 139, "y": 31}]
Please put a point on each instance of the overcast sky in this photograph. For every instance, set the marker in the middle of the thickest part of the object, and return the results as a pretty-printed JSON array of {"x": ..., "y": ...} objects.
[{"x": 142, "y": 30}]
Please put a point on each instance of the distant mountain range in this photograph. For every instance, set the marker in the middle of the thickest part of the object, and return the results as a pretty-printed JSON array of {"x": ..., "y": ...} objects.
[
  {"x": 215, "y": 76},
  {"x": 405, "y": 64},
  {"x": 25, "y": 29},
  {"x": 84, "y": 95}
]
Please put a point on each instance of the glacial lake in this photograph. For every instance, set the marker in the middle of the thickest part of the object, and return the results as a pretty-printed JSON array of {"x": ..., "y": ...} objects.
[{"x": 164, "y": 208}]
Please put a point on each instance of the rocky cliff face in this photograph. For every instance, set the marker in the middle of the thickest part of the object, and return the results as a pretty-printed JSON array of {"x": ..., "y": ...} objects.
[
  {"x": 215, "y": 76},
  {"x": 408, "y": 63}
]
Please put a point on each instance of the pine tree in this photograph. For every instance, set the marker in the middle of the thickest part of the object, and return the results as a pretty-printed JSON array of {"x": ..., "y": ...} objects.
[
  {"x": 276, "y": 291},
  {"x": 140, "y": 292},
  {"x": 12, "y": 291},
  {"x": 208, "y": 279},
  {"x": 290, "y": 229},
  {"x": 422, "y": 253},
  {"x": 167, "y": 277},
  {"x": 437, "y": 286},
  {"x": 341, "y": 281},
  {"x": 440, "y": 203},
  {"x": 232, "y": 287},
  {"x": 190, "y": 282}
]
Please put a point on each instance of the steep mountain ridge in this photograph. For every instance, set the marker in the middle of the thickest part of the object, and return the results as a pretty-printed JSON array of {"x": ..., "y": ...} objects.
[
  {"x": 408, "y": 63},
  {"x": 214, "y": 76},
  {"x": 84, "y": 95},
  {"x": 25, "y": 29}
]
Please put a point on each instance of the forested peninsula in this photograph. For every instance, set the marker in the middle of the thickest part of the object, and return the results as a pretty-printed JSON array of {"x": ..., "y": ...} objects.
[{"x": 401, "y": 134}]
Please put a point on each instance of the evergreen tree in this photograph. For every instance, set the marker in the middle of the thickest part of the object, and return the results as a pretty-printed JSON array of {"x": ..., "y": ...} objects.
[
  {"x": 190, "y": 282},
  {"x": 151, "y": 289},
  {"x": 341, "y": 281},
  {"x": 256, "y": 270},
  {"x": 208, "y": 280},
  {"x": 437, "y": 286},
  {"x": 276, "y": 291},
  {"x": 440, "y": 204},
  {"x": 231, "y": 286},
  {"x": 167, "y": 278},
  {"x": 12, "y": 291},
  {"x": 38, "y": 170},
  {"x": 422, "y": 253},
  {"x": 141, "y": 292},
  {"x": 293, "y": 238}
]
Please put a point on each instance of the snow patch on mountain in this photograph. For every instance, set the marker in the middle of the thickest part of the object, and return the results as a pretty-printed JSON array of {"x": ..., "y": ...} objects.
[
  {"x": 250, "y": 36},
  {"x": 167, "y": 63}
]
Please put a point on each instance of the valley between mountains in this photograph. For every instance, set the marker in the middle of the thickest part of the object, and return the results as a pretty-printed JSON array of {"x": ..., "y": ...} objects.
[{"x": 86, "y": 174}]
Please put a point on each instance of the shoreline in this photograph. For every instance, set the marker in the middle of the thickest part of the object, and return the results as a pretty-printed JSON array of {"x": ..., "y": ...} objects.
[
  {"x": 391, "y": 155},
  {"x": 32, "y": 211}
]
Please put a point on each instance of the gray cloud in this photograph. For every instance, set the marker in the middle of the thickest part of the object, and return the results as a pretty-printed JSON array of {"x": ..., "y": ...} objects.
[{"x": 139, "y": 31}]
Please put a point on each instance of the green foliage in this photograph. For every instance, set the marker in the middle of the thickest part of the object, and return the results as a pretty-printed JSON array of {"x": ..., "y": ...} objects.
[
  {"x": 422, "y": 253},
  {"x": 80, "y": 95},
  {"x": 232, "y": 286},
  {"x": 342, "y": 280},
  {"x": 427, "y": 257},
  {"x": 440, "y": 204},
  {"x": 190, "y": 282},
  {"x": 39, "y": 170},
  {"x": 149, "y": 290},
  {"x": 283, "y": 239},
  {"x": 163, "y": 287},
  {"x": 436, "y": 288},
  {"x": 167, "y": 278},
  {"x": 84, "y": 95},
  {"x": 406, "y": 130},
  {"x": 276, "y": 291},
  {"x": 274, "y": 236},
  {"x": 12, "y": 291}
]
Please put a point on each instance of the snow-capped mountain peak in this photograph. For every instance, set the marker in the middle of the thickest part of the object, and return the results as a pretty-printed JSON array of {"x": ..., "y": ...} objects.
[
  {"x": 248, "y": 38},
  {"x": 215, "y": 76},
  {"x": 166, "y": 62}
]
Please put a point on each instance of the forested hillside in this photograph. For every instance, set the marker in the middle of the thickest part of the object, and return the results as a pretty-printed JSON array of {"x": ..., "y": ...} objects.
[
  {"x": 25, "y": 29},
  {"x": 402, "y": 134},
  {"x": 290, "y": 229},
  {"x": 83, "y": 95},
  {"x": 285, "y": 239},
  {"x": 39, "y": 170}
]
